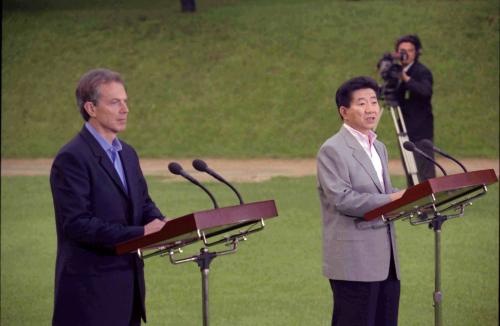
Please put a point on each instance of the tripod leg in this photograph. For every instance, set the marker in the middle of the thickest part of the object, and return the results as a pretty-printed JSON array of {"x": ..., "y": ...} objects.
[{"x": 407, "y": 157}]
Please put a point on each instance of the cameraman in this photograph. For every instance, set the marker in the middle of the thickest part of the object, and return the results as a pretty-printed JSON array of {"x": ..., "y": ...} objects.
[{"x": 414, "y": 97}]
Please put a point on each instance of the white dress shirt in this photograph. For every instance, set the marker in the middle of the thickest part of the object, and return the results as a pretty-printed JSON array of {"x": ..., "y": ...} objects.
[{"x": 366, "y": 143}]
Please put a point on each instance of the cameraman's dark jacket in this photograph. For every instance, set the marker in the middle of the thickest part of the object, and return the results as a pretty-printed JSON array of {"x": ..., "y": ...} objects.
[{"x": 414, "y": 98}]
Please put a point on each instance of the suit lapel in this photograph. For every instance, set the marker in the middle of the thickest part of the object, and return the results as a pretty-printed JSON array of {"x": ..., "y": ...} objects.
[
  {"x": 385, "y": 169},
  {"x": 128, "y": 168},
  {"x": 360, "y": 155},
  {"x": 103, "y": 159}
]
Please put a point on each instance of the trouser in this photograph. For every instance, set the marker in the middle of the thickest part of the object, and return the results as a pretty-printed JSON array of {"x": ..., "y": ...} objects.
[
  {"x": 366, "y": 303},
  {"x": 135, "y": 318},
  {"x": 425, "y": 168}
]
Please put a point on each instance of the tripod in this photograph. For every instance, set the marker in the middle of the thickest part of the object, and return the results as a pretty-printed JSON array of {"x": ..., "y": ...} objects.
[
  {"x": 408, "y": 158},
  {"x": 389, "y": 91}
]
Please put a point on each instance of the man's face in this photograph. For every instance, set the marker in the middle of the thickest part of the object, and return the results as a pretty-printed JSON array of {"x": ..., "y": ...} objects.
[
  {"x": 363, "y": 112},
  {"x": 109, "y": 115},
  {"x": 410, "y": 50}
]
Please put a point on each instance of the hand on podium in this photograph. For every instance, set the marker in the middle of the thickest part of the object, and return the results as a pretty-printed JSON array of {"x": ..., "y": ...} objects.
[
  {"x": 153, "y": 226},
  {"x": 397, "y": 195}
]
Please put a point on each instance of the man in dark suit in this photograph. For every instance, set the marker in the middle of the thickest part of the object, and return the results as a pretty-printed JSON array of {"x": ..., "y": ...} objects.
[
  {"x": 414, "y": 97},
  {"x": 100, "y": 199},
  {"x": 359, "y": 257}
]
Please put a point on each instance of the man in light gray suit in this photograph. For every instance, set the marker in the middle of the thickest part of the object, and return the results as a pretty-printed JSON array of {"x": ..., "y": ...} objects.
[{"x": 359, "y": 257}]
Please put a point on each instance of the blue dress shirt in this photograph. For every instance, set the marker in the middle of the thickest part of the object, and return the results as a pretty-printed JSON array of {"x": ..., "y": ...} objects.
[{"x": 112, "y": 151}]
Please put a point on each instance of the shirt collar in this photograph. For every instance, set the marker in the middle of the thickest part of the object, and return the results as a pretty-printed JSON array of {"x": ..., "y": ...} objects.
[
  {"x": 365, "y": 139},
  {"x": 405, "y": 69},
  {"x": 115, "y": 145}
]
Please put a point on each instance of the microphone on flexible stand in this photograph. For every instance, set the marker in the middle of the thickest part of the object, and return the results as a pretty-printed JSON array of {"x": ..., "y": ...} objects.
[
  {"x": 409, "y": 146},
  {"x": 177, "y": 169},
  {"x": 201, "y": 166},
  {"x": 427, "y": 143}
]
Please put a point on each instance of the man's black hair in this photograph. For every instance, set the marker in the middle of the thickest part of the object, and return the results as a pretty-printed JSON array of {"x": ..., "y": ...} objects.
[
  {"x": 343, "y": 96},
  {"x": 413, "y": 39}
]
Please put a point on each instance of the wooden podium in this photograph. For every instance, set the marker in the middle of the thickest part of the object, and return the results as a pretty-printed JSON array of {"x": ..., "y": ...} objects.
[
  {"x": 436, "y": 195},
  {"x": 232, "y": 224},
  {"x": 202, "y": 225},
  {"x": 426, "y": 202}
]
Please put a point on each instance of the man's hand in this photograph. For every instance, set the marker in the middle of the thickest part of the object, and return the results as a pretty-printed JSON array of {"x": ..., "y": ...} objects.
[
  {"x": 153, "y": 226},
  {"x": 397, "y": 195}
]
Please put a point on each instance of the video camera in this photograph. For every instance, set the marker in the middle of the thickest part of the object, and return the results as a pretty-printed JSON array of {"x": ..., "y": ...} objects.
[{"x": 390, "y": 71}]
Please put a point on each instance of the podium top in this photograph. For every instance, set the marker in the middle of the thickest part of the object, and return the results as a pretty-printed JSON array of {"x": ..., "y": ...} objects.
[
  {"x": 436, "y": 191},
  {"x": 190, "y": 228}
]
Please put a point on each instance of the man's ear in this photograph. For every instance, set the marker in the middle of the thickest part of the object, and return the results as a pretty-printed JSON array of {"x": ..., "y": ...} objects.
[
  {"x": 90, "y": 108},
  {"x": 343, "y": 111}
]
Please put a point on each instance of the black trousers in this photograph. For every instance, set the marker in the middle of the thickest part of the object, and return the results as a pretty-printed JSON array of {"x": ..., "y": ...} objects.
[
  {"x": 136, "y": 315},
  {"x": 366, "y": 303},
  {"x": 426, "y": 169}
]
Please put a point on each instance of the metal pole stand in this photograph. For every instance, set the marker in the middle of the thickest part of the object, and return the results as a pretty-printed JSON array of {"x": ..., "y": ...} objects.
[
  {"x": 436, "y": 224},
  {"x": 225, "y": 226},
  {"x": 205, "y": 257},
  {"x": 425, "y": 204},
  {"x": 203, "y": 260}
]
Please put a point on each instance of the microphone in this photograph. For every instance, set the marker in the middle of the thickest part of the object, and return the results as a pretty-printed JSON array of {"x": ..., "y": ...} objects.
[
  {"x": 409, "y": 146},
  {"x": 427, "y": 143},
  {"x": 201, "y": 166},
  {"x": 177, "y": 169}
]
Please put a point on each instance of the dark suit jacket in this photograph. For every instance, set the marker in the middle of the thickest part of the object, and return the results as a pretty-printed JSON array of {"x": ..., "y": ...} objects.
[
  {"x": 414, "y": 98},
  {"x": 93, "y": 211}
]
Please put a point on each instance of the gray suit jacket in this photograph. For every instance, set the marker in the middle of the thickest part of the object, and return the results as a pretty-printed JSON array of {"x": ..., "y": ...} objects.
[{"x": 353, "y": 249}]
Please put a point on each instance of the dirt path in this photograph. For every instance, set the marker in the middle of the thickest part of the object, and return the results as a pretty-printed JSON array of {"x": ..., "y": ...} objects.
[{"x": 253, "y": 170}]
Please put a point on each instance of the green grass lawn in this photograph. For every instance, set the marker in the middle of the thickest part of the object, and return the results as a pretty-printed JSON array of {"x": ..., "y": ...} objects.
[
  {"x": 274, "y": 278},
  {"x": 240, "y": 78}
]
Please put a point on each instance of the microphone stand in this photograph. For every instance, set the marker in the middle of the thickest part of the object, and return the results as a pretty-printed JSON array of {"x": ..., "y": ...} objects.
[
  {"x": 427, "y": 203},
  {"x": 427, "y": 143},
  {"x": 201, "y": 166},
  {"x": 435, "y": 223},
  {"x": 204, "y": 259}
]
